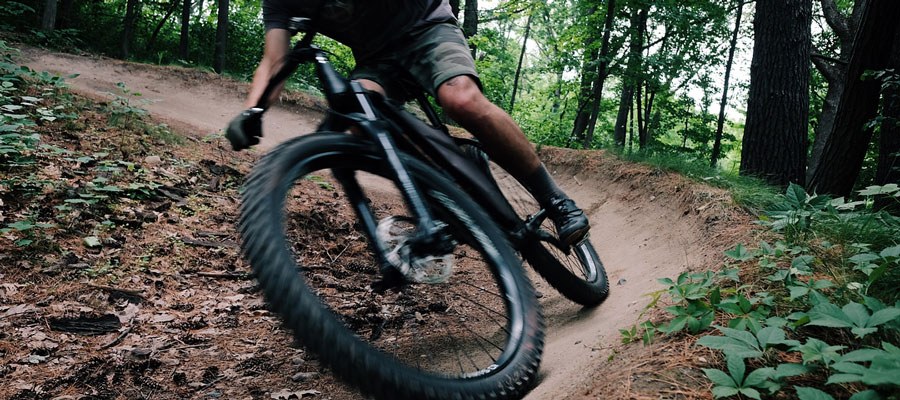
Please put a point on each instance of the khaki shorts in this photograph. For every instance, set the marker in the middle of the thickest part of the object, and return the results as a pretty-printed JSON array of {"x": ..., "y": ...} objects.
[{"x": 428, "y": 57}]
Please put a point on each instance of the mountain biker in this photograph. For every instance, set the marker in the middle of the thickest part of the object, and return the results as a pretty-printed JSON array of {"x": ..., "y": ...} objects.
[{"x": 423, "y": 37}]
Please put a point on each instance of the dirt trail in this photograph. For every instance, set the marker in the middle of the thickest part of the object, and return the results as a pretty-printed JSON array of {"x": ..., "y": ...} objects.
[{"x": 647, "y": 224}]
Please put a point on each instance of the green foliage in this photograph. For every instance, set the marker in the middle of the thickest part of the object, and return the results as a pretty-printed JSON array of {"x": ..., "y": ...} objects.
[
  {"x": 737, "y": 382},
  {"x": 882, "y": 371},
  {"x": 743, "y": 344},
  {"x": 795, "y": 213},
  {"x": 123, "y": 112},
  {"x": 792, "y": 313},
  {"x": 853, "y": 315}
]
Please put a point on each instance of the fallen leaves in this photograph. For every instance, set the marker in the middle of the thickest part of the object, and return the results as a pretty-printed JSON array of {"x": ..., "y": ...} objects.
[{"x": 287, "y": 394}]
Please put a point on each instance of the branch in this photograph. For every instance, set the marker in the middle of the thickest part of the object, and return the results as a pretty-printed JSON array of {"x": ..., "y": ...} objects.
[
  {"x": 831, "y": 73},
  {"x": 836, "y": 20}
]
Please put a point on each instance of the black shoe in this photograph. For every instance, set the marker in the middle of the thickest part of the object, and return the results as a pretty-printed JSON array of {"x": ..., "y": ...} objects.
[{"x": 571, "y": 223}]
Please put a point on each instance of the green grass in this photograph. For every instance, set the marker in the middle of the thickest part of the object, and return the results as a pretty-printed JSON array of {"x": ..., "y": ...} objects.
[{"x": 750, "y": 193}]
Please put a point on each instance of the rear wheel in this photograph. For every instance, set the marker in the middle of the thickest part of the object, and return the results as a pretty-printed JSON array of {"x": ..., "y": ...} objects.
[
  {"x": 475, "y": 331},
  {"x": 577, "y": 273}
]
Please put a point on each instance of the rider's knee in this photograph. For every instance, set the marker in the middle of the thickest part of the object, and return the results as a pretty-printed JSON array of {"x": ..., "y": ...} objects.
[{"x": 461, "y": 96}]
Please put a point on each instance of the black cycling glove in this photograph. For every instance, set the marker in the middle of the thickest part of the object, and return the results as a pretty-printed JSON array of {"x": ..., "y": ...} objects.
[{"x": 245, "y": 130}]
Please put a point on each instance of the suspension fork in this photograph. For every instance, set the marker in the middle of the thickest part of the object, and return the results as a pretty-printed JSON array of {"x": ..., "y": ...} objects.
[
  {"x": 379, "y": 132},
  {"x": 428, "y": 231}
]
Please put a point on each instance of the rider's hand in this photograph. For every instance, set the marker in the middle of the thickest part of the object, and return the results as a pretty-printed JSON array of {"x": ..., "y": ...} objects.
[{"x": 245, "y": 130}]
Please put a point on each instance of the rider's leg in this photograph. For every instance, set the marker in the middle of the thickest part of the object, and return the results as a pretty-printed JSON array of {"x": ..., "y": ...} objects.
[{"x": 463, "y": 101}]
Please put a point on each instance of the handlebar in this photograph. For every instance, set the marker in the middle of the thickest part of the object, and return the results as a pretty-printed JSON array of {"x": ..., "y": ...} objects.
[{"x": 333, "y": 84}]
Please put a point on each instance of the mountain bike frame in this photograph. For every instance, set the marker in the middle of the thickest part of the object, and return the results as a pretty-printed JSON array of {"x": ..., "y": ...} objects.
[{"x": 392, "y": 130}]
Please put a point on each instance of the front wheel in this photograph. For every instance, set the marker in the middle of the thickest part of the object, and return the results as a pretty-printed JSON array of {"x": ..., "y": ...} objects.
[{"x": 474, "y": 332}]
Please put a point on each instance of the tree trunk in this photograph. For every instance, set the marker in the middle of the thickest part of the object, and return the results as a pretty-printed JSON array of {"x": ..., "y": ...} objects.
[
  {"x": 776, "y": 133},
  {"x": 172, "y": 7},
  {"x": 470, "y": 22},
  {"x": 221, "y": 35},
  {"x": 131, "y": 13},
  {"x": 631, "y": 77},
  {"x": 845, "y": 150},
  {"x": 48, "y": 22},
  {"x": 889, "y": 156},
  {"x": 644, "y": 122},
  {"x": 184, "y": 40},
  {"x": 64, "y": 14},
  {"x": 720, "y": 124},
  {"x": 454, "y": 6},
  {"x": 639, "y": 107},
  {"x": 603, "y": 62},
  {"x": 835, "y": 73},
  {"x": 512, "y": 100}
]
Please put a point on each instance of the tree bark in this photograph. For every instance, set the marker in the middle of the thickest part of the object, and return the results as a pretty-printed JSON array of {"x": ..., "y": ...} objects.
[
  {"x": 131, "y": 14},
  {"x": 470, "y": 22},
  {"x": 720, "y": 124},
  {"x": 844, "y": 152},
  {"x": 888, "y": 170},
  {"x": 64, "y": 14},
  {"x": 184, "y": 39},
  {"x": 834, "y": 72},
  {"x": 221, "y": 36},
  {"x": 454, "y": 6},
  {"x": 48, "y": 22},
  {"x": 512, "y": 100},
  {"x": 172, "y": 7},
  {"x": 603, "y": 62},
  {"x": 631, "y": 77},
  {"x": 776, "y": 132}
]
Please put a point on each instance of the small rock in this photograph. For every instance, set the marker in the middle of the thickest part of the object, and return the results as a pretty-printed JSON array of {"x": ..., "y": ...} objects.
[
  {"x": 298, "y": 361},
  {"x": 304, "y": 376},
  {"x": 141, "y": 352},
  {"x": 621, "y": 282},
  {"x": 152, "y": 160}
]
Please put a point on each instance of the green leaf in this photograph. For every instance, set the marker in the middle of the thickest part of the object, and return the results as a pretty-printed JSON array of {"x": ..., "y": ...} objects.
[
  {"x": 751, "y": 393},
  {"x": 744, "y": 347},
  {"x": 795, "y": 195},
  {"x": 864, "y": 258},
  {"x": 758, "y": 376},
  {"x": 884, "y": 371},
  {"x": 830, "y": 316},
  {"x": 803, "y": 263},
  {"x": 849, "y": 368},
  {"x": 739, "y": 253},
  {"x": 769, "y": 336},
  {"x": 857, "y": 313},
  {"x": 724, "y": 391},
  {"x": 736, "y": 368},
  {"x": 877, "y": 190},
  {"x": 867, "y": 395},
  {"x": 883, "y": 316},
  {"x": 798, "y": 292},
  {"x": 862, "y": 355},
  {"x": 891, "y": 252},
  {"x": 806, "y": 393},
  {"x": 837, "y": 379},
  {"x": 863, "y": 332},
  {"x": 719, "y": 378}
]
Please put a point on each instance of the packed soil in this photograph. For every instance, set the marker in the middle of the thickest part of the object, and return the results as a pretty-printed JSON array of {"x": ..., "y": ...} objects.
[{"x": 164, "y": 306}]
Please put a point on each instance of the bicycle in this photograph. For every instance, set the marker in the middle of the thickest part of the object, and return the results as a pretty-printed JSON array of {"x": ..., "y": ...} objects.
[{"x": 449, "y": 312}]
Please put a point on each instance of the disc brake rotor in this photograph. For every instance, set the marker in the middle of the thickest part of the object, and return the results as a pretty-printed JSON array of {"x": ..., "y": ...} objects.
[{"x": 394, "y": 233}]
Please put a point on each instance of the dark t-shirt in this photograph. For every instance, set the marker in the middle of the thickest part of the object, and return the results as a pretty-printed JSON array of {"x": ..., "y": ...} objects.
[{"x": 366, "y": 26}]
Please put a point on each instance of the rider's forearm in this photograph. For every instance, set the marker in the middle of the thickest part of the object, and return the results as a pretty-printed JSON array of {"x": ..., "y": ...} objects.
[{"x": 276, "y": 47}]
